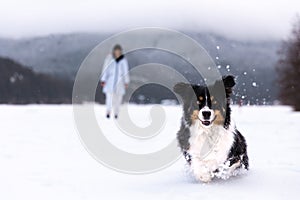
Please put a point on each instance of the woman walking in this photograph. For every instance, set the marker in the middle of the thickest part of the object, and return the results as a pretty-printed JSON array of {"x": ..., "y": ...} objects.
[{"x": 114, "y": 80}]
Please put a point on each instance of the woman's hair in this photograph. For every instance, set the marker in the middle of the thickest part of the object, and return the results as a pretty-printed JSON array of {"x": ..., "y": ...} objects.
[{"x": 117, "y": 47}]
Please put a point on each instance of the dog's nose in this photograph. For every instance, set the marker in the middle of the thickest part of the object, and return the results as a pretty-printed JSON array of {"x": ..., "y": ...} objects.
[{"x": 206, "y": 114}]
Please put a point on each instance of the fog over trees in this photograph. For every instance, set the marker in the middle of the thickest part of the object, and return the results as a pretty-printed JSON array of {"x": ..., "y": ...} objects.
[
  {"x": 20, "y": 85},
  {"x": 60, "y": 56},
  {"x": 288, "y": 68}
]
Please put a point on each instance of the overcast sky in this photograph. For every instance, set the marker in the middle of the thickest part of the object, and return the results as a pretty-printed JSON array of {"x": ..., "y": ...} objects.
[{"x": 239, "y": 19}]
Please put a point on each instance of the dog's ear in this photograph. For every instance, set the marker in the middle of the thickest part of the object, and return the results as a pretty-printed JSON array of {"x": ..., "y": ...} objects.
[
  {"x": 185, "y": 90},
  {"x": 229, "y": 82},
  {"x": 181, "y": 88}
]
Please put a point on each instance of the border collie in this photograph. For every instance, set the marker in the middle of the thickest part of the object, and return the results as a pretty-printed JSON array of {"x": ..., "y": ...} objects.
[{"x": 209, "y": 140}]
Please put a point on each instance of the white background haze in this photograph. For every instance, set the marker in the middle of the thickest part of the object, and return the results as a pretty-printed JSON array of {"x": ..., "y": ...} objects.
[{"x": 254, "y": 20}]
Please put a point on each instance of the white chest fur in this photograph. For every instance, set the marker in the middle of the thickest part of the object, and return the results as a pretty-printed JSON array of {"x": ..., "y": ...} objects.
[{"x": 209, "y": 148}]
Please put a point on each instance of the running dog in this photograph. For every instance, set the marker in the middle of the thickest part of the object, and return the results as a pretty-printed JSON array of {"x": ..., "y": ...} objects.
[{"x": 208, "y": 138}]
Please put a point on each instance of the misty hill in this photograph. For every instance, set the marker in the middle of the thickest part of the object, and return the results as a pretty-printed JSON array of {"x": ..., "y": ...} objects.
[
  {"x": 21, "y": 85},
  {"x": 56, "y": 54},
  {"x": 61, "y": 55}
]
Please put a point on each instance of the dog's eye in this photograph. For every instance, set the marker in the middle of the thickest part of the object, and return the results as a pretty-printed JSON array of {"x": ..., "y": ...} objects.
[{"x": 198, "y": 102}]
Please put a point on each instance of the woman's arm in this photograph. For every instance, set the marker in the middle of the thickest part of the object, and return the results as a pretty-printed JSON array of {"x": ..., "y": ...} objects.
[
  {"x": 104, "y": 75},
  {"x": 126, "y": 72}
]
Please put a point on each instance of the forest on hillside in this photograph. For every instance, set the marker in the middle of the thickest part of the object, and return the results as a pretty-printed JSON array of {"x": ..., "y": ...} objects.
[{"x": 21, "y": 85}]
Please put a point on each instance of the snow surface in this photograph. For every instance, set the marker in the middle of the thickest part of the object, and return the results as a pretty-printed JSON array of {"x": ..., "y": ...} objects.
[{"x": 41, "y": 157}]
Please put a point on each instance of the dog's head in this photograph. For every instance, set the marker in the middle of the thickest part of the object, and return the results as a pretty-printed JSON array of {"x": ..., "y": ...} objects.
[{"x": 208, "y": 104}]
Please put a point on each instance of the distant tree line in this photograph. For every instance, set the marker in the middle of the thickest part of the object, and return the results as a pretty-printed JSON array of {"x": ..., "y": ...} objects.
[
  {"x": 252, "y": 62},
  {"x": 20, "y": 85},
  {"x": 288, "y": 68}
]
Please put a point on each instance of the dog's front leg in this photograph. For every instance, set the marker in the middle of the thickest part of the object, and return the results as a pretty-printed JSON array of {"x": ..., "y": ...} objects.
[{"x": 202, "y": 170}]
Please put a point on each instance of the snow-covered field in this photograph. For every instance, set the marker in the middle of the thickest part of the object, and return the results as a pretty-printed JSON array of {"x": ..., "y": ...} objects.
[{"x": 41, "y": 157}]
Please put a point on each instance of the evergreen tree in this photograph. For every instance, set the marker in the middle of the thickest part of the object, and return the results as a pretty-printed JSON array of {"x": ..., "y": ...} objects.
[{"x": 288, "y": 68}]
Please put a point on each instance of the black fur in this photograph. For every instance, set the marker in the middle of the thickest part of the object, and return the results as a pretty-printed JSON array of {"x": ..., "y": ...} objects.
[{"x": 238, "y": 151}]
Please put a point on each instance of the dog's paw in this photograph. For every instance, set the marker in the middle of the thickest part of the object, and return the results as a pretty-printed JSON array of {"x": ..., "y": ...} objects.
[
  {"x": 225, "y": 171},
  {"x": 203, "y": 174},
  {"x": 204, "y": 177},
  {"x": 203, "y": 169}
]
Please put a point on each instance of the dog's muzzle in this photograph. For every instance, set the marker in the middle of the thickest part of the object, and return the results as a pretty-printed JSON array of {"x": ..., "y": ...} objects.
[{"x": 207, "y": 122}]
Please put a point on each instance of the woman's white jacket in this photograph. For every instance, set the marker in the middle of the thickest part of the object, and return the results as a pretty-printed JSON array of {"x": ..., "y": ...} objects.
[{"x": 115, "y": 75}]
